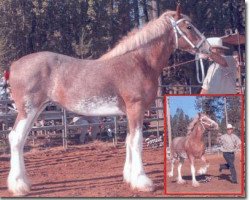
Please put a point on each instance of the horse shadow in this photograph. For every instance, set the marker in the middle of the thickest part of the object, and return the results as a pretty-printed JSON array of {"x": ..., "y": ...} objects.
[
  {"x": 226, "y": 177},
  {"x": 199, "y": 178},
  {"x": 205, "y": 177}
]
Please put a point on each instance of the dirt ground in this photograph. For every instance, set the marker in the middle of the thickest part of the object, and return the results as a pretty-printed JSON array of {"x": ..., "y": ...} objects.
[
  {"x": 217, "y": 182},
  {"x": 92, "y": 170}
]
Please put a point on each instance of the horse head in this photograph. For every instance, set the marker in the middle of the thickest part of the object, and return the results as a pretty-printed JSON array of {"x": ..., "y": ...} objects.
[
  {"x": 187, "y": 36},
  {"x": 207, "y": 122}
]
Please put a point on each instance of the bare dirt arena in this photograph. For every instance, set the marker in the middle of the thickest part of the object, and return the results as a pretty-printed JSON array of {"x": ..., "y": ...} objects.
[
  {"x": 216, "y": 184},
  {"x": 92, "y": 170}
]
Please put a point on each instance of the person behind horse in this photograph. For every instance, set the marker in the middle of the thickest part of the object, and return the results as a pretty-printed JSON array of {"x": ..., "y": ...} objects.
[
  {"x": 220, "y": 79},
  {"x": 229, "y": 145}
]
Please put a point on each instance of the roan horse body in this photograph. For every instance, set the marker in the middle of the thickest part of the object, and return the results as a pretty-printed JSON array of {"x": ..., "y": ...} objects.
[
  {"x": 123, "y": 81},
  {"x": 191, "y": 147}
]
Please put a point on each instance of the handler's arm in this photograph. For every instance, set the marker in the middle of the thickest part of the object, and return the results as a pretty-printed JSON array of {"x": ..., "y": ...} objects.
[
  {"x": 219, "y": 59},
  {"x": 238, "y": 141}
]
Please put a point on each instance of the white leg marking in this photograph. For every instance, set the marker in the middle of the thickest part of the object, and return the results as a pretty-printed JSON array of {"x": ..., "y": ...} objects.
[
  {"x": 203, "y": 170},
  {"x": 139, "y": 179},
  {"x": 127, "y": 165},
  {"x": 171, "y": 173},
  {"x": 179, "y": 178},
  {"x": 17, "y": 180},
  {"x": 195, "y": 183}
]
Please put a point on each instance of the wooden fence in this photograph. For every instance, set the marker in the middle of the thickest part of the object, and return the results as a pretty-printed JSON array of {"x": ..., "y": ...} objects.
[{"x": 66, "y": 128}]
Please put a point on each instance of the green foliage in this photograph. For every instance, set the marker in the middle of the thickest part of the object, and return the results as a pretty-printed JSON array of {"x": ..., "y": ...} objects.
[
  {"x": 215, "y": 108},
  {"x": 212, "y": 106},
  {"x": 88, "y": 28},
  {"x": 234, "y": 108},
  {"x": 179, "y": 123}
]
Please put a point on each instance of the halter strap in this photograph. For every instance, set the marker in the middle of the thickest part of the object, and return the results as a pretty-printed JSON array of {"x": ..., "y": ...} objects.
[
  {"x": 177, "y": 31},
  {"x": 202, "y": 123}
]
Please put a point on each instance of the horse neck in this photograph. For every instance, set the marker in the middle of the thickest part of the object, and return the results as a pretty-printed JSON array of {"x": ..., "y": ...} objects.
[
  {"x": 158, "y": 51},
  {"x": 198, "y": 131}
]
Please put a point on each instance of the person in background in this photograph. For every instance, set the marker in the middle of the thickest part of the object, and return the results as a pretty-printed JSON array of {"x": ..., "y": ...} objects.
[
  {"x": 230, "y": 143},
  {"x": 220, "y": 79}
]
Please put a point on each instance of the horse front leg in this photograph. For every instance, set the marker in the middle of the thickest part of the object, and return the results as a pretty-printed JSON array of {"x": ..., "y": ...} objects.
[
  {"x": 133, "y": 169},
  {"x": 179, "y": 178},
  {"x": 128, "y": 161},
  {"x": 195, "y": 183},
  {"x": 171, "y": 172},
  {"x": 203, "y": 170}
]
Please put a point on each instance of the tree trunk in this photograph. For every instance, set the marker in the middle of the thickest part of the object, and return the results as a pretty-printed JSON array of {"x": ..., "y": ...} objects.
[
  {"x": 145, "y": 10},
  {"x": 136, "y": 13}
]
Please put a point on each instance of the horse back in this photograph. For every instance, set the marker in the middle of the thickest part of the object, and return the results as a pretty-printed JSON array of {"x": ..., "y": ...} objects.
[{"x": 32, "y": 76}]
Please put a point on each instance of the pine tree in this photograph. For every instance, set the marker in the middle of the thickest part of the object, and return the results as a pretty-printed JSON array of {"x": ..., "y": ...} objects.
[{"x": 179, "y": 123}]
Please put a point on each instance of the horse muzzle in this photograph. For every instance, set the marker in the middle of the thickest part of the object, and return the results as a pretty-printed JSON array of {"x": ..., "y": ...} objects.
[{"x": 214, "y": 126}]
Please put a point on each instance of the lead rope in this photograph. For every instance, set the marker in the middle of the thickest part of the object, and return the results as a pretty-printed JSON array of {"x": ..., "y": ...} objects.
[{"x": 197, "y": 59}]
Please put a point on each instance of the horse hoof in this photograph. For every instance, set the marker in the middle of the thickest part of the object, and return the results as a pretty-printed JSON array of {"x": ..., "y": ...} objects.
[
  {"x": 18, "y": 187},
  {"x": 126, "y": 179},
  {"x": 181, "y": 181},
  {"x": 195, "y": 184},
  {"x": 126, "y": 175},
  {"x": 202, "y": 171},
  {"x": 170, "y": 174},
  {"x": 143, "y": 183}
]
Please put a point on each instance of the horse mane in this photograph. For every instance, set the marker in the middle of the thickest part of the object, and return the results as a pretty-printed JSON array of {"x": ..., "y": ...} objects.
[
  {"x": 192, "y": 124},
  {"x": 138, "y": 37}
]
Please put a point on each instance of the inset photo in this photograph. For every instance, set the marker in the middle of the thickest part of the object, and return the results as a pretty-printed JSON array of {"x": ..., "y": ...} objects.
[{"x": 204, "y": 140}]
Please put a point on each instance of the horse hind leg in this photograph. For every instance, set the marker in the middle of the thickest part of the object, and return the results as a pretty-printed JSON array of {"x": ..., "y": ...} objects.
[
  {"x": 203, "y": 170},
  {"x": 18, "y": 182},
  {"x": 179, "y": 178},
  {"x": 171, "y": 172},
  {"x": 138, "y": 178}
]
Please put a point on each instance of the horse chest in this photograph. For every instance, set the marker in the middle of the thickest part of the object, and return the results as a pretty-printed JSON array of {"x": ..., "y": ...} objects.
[
  {"x": 195, "y": 148},
  {"x": 97, "y": 106}
]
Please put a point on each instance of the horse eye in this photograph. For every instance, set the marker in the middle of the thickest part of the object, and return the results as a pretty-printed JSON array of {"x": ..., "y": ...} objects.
[{"x": 189, "y": 27}]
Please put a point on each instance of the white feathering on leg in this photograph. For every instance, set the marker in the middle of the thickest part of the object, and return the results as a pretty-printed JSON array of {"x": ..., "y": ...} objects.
[{"x": 139, "y": 179}]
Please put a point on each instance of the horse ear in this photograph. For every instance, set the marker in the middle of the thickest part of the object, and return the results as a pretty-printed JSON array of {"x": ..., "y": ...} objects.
[{"x": 178, "y": 11}]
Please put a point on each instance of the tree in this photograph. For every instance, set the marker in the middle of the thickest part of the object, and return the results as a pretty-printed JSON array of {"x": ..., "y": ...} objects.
[
  {"x": 179, "y": 123},
  {"x": 234, "y": 107},
  {"x": 212, "y": 106},
  {"x": 88, "y": 28}
]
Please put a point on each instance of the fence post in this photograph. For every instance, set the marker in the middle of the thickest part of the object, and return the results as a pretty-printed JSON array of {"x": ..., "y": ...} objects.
[
  {"x": 65, "y": 131},
  {"x": 157, "y": 111},
  {"x": 115, "y": 139},
  {"x": 169, "y": 131}
]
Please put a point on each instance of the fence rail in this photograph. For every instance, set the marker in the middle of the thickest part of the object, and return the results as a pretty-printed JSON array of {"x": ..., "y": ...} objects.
[
  {"x": 8, "y": 116},
  {"x": 65, "y": 127}
]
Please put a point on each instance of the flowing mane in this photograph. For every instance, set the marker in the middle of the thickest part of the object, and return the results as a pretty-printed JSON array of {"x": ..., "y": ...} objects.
[
  {"x": 192, "y": 124},
  {"x": 139, "y": 37}
]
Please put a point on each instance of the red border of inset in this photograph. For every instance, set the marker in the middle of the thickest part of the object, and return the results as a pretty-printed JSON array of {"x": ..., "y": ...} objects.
[{"x": 213, "y": 194}]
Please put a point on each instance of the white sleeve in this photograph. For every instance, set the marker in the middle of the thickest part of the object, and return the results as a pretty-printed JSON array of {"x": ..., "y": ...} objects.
[{"x": 237, "y": 139}]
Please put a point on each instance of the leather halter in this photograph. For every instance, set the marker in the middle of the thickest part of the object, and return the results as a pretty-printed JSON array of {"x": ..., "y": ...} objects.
[
  {"x": 177, "y": 31},
  {"x": 203, "y": 122}
]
